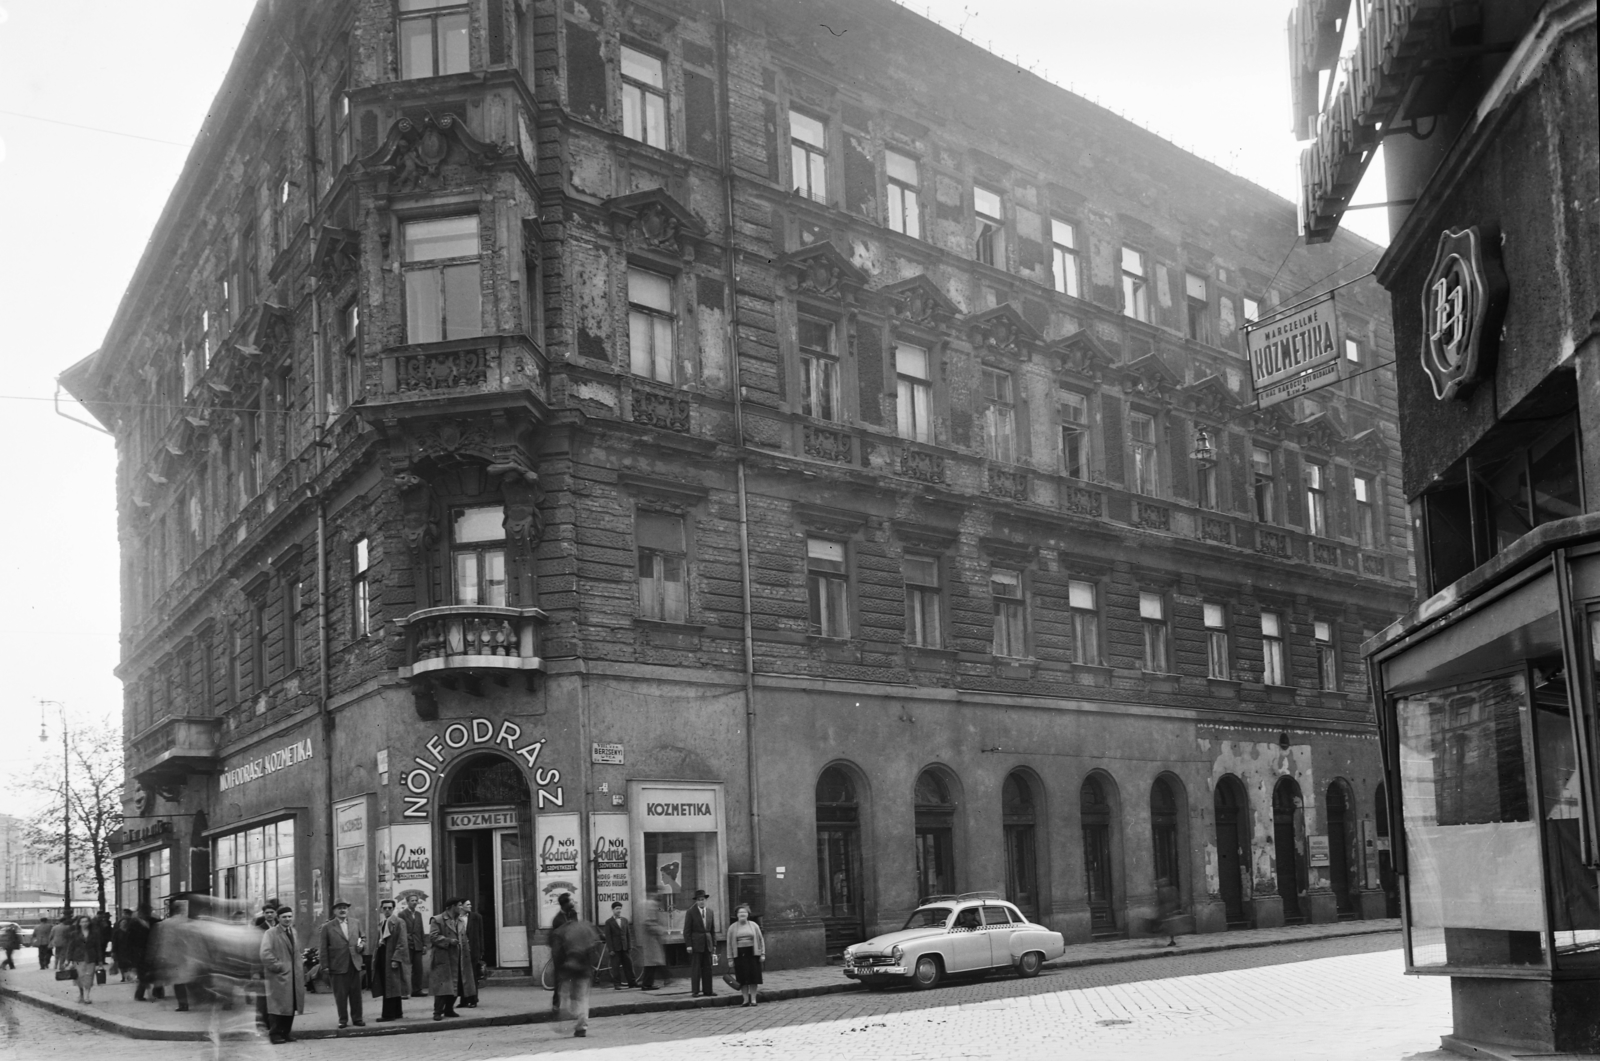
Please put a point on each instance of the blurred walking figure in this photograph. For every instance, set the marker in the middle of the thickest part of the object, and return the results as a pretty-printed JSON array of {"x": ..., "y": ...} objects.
[
  {"x": 83, "y": 951},
  {"x": 747, "y": 950},
  {"x": 41, "y": 939},
  {"x": 139, "y": 946},
  {"x": 572, "y": 952},
  {"x": 58, "y": 940},
  {"x": 417, "y": 940},
  {"x": 391, "y": 964},
  {"x": 652, "y": 952},
  {"x": 122, "y": 949},
  {"x": 341, "y": 944},
  {"x": 451, "y": 974},
  {"x": 285, "y": 977},
  {"x": 10, "y": 941},
  {"x": 167, "y": 959}
]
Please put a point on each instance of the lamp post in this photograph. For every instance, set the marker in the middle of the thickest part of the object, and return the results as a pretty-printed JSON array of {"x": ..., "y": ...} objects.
[{"x": 66, "y": 806}]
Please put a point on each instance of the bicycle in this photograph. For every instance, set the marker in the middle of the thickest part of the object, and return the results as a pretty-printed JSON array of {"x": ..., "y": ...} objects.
[{"x": 600, "y": 971}]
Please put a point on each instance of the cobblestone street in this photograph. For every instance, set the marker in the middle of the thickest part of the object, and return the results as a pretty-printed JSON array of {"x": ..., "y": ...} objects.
[{"x": 1338, "y": 999}]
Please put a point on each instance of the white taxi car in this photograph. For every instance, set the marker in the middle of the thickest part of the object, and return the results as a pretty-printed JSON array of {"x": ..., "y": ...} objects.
[{"x": 951, "y": 935}]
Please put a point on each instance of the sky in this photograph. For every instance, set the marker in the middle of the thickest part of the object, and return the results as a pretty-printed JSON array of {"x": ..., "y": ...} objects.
[{"x": 98, "y": 102}]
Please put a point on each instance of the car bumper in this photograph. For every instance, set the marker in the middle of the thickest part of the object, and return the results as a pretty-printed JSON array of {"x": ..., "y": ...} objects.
[{"x": 876, "y": 972}]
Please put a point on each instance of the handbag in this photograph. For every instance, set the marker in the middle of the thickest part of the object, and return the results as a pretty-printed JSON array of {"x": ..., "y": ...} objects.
[
  {"x": 731, "y": 980},
  {"x": 100, "y": 974},
  {"x": 66, "y": 974}
]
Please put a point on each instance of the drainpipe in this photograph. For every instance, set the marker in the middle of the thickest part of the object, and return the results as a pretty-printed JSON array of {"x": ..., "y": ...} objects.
[{"x": 731, "y": 331}]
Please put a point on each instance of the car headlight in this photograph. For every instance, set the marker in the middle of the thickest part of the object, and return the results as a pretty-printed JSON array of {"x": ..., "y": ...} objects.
[
  {"x": 897, "y": 953},
  {"x": 849, "y": 954}
]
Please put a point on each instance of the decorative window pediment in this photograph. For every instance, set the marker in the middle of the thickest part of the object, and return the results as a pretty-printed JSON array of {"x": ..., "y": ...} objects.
[
  {"x": 1003, "y": 330},
  {"x": 1368, "y": 448},
  {"x": 919, "y": 301},
  {"x": 654, "y": 220},
  {"x": 271, "y": 334},
  {"x": 417, "y": 149},
  {"x": 829, "y": 520},
  {"x": 1083, "y": 354},
  {"x": 1149, "y": 377},
  {"x": 822, "y": 270},
  {"x": 1212, "y": 396},
  {"x": 1322, "y": 432},
  {"x": 334, "y": 254}
]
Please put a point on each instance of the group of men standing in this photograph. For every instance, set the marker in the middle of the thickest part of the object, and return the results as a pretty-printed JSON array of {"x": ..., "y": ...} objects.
[{"x": 389, "y": 962}]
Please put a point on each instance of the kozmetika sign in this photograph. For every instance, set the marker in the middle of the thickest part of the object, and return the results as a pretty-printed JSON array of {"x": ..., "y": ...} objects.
[
  {"x": 260, "y": 767},
  {"x": 1294, "y": 353}
]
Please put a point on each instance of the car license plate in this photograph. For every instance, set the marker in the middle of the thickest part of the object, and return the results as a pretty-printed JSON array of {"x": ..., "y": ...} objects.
[{"x": 868, "y": 970}]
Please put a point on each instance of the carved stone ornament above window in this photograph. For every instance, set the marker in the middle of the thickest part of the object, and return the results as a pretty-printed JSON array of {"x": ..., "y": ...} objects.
[
  {"x": 1002, "y": 330},
  {"x": 417, "y": 149},
  {"x": 272, "y": 335},
  {"x": 1083, "y": 355},
  {"x": 1322, "y": 433},
  {"x": 1149, "y": 377},
  {"x": 1273, "y": 423},
  {"x": 829, "y": 520},
  {"x": 919, "y": 301},
  {"x": 334, "y": 254},
  {"x": 822, "y": 271},
  {"x": 654, "y": 220},
  {"x": 1368, "y": 448},
  {"x": 1211, "y": 396}
]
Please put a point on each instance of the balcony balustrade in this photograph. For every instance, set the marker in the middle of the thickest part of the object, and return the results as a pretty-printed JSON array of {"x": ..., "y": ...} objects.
[
  {"x": 173, "y": 748},
  {"x": 471, "y": 639},
  {"x": 480, "y": 365}
]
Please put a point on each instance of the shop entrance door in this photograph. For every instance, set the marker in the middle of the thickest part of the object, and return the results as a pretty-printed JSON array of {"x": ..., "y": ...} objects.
[
  {"x": 839, "y": 876},
  {"x": 472, "y": 877},
  {"x": 510, "y": 901},
  {"x": 1286, "y": 829},
  {"x": 1231, "y": 858}
]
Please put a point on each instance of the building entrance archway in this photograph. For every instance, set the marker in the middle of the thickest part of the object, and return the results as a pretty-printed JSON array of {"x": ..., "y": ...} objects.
[
  {"x": 1019, "y": 819},
  {"x": 1288, "y": 827},
  {"x": 1233, "y": 850},
  {"x": 840, "y": 881},
  {"x": 1094, "y": 809},
  {"x": 486, "y": 813},
  {"x": 1339, "y": 843}
]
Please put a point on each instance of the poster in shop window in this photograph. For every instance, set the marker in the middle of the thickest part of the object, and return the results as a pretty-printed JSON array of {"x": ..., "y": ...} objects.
[
  {"x": 608, "y": 834},
  {"x": 411, "y": 863},
  {"x": 385, "y": 871},
  {"x": 556, "y": 840}
]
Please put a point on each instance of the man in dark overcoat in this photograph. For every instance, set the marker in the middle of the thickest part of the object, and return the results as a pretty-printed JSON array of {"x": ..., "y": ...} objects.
[
  {"x": 340, "y": 944},
  {"x": 417, "y": 940},
  {"x": 285, "y": 977},
  {"x": 700, "y": 936},
  {"x": 391, "y": 962},
  {"x": 619, "y": 943},
  {"x": 472, "y": 922}
]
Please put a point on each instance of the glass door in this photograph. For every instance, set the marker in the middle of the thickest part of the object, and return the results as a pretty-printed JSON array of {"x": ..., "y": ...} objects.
[{"x": 510, "y": 900}]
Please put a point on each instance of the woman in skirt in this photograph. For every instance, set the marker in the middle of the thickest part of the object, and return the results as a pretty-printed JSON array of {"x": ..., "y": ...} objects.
[{"x": 747, "y": 949}]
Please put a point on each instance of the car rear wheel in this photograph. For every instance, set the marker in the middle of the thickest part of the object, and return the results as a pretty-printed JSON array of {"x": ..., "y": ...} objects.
[
  {"x": 1029, "y": 964},
  {"x": 927, "y": 973}
]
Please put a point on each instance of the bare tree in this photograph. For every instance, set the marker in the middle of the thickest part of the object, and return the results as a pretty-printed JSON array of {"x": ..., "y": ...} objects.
[{"x": 94, "y": 751}]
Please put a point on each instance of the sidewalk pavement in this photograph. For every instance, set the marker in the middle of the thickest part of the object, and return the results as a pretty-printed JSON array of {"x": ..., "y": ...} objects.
[{"x": 115, "y": 1010}]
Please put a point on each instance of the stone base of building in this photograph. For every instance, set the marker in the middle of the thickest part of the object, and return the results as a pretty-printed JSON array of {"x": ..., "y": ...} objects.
[{"x": 1524, "y": 1016}]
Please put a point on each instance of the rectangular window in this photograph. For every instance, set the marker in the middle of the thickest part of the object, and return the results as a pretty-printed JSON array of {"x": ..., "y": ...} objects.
[
  {"x": 443, "y": 297},
  {"x": 1005, "y": 588},
  {"x": 1366, "y": 515},
  {"x": 432, "y": 38},
  {"x": 249, "y": 262},
  {"x": 663, "y": 580},
  {"x": 1316, "y": 499},
  {"x": 904, "y": 213},
  {"x": 999, "y": 417},
  {"x": 252, "y": 470},
  {"x": 1153, "y": 617},
  {"x": 280, "y": 215},
  {"x": 1261, "y": 466},
  {"x": 921, "y": 575},
  {"x": 360, "y": 590},
  {"x": 350, "y": 338},
  {"x": 1357, "y": 381},
  {"x": 1135, "y": 297},
  {"x": 339, "y": 140},
  {"x": 1142, "y": 437},
  {"x": 255, "y": 864},
  {"x": 293, "y": 625},
  {"x": 819, "y": 370},
  {"x": 258, "y": 646},
  {"x": 1252, "y": 310},
  {"x": 1074, "y": 435},
  {"x": 1198, "y": 304},
  {"x": 1327, "y": 659},
  {"x": 1218, "y": 664},
  {"x": 1064, "y": 256},
  {"x": 828, "y": 586},
  {"x": 644, "y": 97},
  {"x": 350, "y": 849},
  {"x": 651, "y": 325},
  {"x": 478, "y": 554},
  {"x": 808, "y": 156},
  {"x": 990, "y": 221},
  {"x": 1085, "y": 622},
  {"x": 1272, "y": 663},
  {"x": 914, "y": 393}
]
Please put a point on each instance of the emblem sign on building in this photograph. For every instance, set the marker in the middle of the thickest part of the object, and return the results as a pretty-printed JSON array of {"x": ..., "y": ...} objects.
[
  {"x": 1460, "y": 300},
  {"x": 1294, "y": 353}
]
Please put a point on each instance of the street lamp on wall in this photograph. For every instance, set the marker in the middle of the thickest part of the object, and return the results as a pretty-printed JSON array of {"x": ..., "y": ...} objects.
[
  {"x": 66, "y": 805},
  {"x": 1203, "y": 453}
]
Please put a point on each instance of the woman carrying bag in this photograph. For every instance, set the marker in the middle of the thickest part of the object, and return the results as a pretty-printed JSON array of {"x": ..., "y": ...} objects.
[
  {"x": 85, "y": 952},
  {"x": 747, "y": 949}
]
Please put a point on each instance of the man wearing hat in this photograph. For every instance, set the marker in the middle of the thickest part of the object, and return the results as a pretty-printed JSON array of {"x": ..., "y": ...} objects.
[
  {"x": 341, "y": 946},
  {"x": 700, "y": 934},
  {"x": 391, "y": 962}
]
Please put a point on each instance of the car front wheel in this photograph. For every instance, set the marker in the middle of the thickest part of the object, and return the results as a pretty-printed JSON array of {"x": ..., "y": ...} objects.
[
  {"x": 1029, "y": 964},
  {"x": 927, "y": 973}
]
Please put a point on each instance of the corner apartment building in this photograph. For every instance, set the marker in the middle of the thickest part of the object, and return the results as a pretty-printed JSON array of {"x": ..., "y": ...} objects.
[{"x": 630, "y": 448}]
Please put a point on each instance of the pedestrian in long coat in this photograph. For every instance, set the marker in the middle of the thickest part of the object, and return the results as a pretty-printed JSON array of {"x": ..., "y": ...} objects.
[
  {"x": 451, "y": 974},
  {"x": 285, "y": 977},
  {"x": 41, "y": 939},
  {"x": 652, "y": 951},
  {"x": 58, "y": 941},
  {"x": 122, "y": 949},
  {"x": 417, "y": 933},
  {"x": 391, "y": 961}
]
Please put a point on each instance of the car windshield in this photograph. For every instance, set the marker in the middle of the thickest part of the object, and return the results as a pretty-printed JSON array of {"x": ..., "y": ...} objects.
[{"x": 928, "y": 917}]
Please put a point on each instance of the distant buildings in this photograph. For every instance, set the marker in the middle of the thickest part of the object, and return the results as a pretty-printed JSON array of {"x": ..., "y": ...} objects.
[{"x": 27, "y": 877}]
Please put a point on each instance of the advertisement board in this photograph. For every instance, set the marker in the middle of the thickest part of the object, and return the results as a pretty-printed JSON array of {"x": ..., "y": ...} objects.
[
  {"x": 1294, "y": 353},
  {"x": 411, "y": 864},
  {"x": 608, "y": 836},
  {"x": 556, "y": 842}
]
